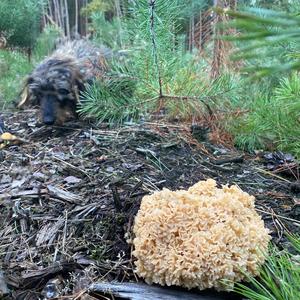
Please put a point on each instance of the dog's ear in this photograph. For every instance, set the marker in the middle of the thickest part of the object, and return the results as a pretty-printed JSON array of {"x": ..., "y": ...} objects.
[
  {"x": 79, "y": 88},
  {"x": 24, "y": 94},
  {"x": 80, "y": 85}
]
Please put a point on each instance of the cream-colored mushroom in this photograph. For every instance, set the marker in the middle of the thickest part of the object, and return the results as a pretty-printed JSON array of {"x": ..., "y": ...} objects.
[{"x": 199, "y": 237}]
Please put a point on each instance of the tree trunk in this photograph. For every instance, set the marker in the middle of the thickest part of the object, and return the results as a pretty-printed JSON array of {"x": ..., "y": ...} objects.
[
  {"x": 62, "y": 14},
  {"x": 216, "y": 62},
  {"x": 76, "y": 17},
  {"x": 29, "y": 54},
  {"x": 222, "y": 49},
  {"x": 51, "y": 10},
  {"x": 200, "y": 31},
  {"x": 67, "y": 20},
  {"x": 57, "y": 14},
  {"x": 44, "y": 24},
  {"x": 190, "y": 35},
  {"x": 193, "y": 33},
  {"x": 119, "y": 15},
  {"x": 82, "y": 26},
  {"x": 86, "y": 19}
]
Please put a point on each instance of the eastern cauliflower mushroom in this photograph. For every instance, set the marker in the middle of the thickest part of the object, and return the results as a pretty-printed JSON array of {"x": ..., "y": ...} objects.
[{"x": 199, "y": 237}]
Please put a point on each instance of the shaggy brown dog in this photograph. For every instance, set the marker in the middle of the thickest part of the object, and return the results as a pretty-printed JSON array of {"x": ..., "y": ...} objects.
[{"x": 56, "y": 83}]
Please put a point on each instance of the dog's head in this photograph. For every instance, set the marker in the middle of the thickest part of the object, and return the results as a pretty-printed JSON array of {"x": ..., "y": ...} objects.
[
  {"x": 55, "y": 84},
  {"x": 54, "y": 87}
]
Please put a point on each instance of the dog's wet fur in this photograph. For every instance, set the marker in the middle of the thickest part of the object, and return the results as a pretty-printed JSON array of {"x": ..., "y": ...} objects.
[{"x": 56, "y": 83}]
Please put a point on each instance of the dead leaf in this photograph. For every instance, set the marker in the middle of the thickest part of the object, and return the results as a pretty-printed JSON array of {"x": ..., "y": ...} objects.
[
  {"x": 72, "y": 179},
  {"x": 3, "y": 286},
  {"x": 18, "y": 183},
  {"x": 101, "y": 158}
]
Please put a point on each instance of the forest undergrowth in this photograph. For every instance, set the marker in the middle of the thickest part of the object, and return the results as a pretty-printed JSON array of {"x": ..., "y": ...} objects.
[
  {"x": 240, "y": 84},
  {"x": 156, "y": 75}
]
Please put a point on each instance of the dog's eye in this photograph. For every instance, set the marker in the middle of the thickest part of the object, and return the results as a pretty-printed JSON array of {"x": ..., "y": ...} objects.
[
  {"x": 63, "y": 91},
  {"x": 30, "y": 80},
  {"x": 67, "y": 104},
  {"x": 36, "y": 92}
]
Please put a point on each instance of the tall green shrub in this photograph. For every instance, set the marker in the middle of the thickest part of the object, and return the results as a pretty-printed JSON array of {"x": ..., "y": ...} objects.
[
  {"x": 14, "y": 66},
  {"x": 271, "y": 121},
  {"x": 105, "y": 32},
  {"x": 45, "y": 43},
  {"x": 20, "y": 21}
]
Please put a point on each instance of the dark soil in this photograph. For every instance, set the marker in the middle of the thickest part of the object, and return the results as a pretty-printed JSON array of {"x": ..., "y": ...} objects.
[{"x": 68, "y": 196}]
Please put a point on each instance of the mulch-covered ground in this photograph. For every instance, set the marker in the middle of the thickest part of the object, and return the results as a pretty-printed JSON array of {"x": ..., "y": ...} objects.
[{"x": 68, "y": 196}]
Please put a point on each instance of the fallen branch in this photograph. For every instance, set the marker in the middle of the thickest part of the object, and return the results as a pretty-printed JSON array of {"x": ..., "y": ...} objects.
[
  {"x": 140, "y": 291},
  {"x": 64, "y": 195}
]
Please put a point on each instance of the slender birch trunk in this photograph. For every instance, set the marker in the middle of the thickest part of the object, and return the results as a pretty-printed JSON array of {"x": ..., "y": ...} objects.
[
  {"x": 86, "y": 19},
  {"x": 57, "y": 14},
  {"x": 67, "y": 19},
  {"x": 200, "y": 31},
  {"x": 119, "y": 15},
  {"x": 62, "y": 14},
  {"x": 76, "y": 17}
]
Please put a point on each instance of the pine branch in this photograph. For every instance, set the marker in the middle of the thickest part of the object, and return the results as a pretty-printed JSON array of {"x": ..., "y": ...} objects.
[{"x": 270, "y": 38}]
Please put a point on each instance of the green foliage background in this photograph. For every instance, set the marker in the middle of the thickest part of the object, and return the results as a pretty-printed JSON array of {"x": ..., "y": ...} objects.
[
  {"x": 15, "y": 66},
  {"x": 269, "y": 45},
  {"x": 20, "y": 21}
]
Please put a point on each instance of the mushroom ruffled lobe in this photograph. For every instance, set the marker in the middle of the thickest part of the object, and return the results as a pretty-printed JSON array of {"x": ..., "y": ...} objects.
[{"x": 199, "y": 237}]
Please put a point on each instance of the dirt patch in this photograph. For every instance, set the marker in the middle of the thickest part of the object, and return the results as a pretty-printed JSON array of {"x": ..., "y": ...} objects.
[{"x": 69, "y": 195}]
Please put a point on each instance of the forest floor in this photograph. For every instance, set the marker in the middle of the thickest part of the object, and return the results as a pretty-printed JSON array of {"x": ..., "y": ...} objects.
[{"x": 68, "y": 196}]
